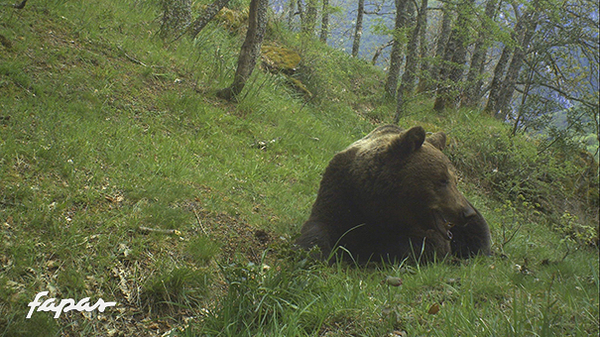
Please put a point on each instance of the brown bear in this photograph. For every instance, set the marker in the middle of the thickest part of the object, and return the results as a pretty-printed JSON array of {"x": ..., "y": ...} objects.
[{"x": 392, "y": 195}]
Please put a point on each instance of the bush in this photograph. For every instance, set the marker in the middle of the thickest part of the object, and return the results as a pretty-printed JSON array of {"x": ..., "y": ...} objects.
[{"x": 514, "y": 168}]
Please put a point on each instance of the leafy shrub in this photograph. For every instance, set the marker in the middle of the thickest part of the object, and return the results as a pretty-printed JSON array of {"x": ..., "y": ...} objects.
[{"x": 514, "y": 168}]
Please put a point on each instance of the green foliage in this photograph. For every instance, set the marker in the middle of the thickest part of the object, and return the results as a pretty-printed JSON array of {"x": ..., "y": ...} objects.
[
  {"x": 570, "y": 226},
  {"x": 516, "y": 171}
]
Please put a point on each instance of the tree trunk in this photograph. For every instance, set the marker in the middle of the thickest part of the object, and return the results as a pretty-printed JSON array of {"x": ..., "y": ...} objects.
[
  {"x": 442, "y": 41},
  {"x": 409, "y": 76},
  {"x": 474, "y": 82},
  {"x": 497, "y": 95},
  {"x": 177, "y": 15},
  {"x": 301, "y": 14},
  {"x": 423, "y": 50},
  {"x": 508, "y": 87},
  {"x": 358, "y": 28},
  {"x": 496, "y": 85},
  {"x": 396, "y": 55},
  {"x": 291, "y": 13},
  {"x": 407, "y": 83},
  {"x": 310, "y": 17},
  {"x": 523, "y": 100},
  {"x": 325, "y": 21},
  {"x": 455, "y": 58},
  {"x": 209, "y": 13},
  {"x": 257, "y": 23}
]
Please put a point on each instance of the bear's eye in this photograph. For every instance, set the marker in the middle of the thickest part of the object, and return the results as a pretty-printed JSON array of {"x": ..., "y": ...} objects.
[{"x": 443, "y": 182}]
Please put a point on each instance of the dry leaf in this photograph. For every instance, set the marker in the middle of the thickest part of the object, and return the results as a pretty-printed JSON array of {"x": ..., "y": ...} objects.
[
  {"x": 435, "y": 308},
  {"x": 392, "y": 281}
]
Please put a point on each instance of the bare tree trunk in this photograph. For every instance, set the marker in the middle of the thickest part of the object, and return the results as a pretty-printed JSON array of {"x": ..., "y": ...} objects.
[
  {"x": 508, "y": 87},
  {"x": 177, "y": 15},
  {"x": 442, "y": 41},
  {"x": 499, "y": 72},
  {"x": 209, "y": 13},
  {"x": 474, "y": 83},
  {"x": 523, "y": 100},
  {"x": 396, "y": 55},
  {"x": 291, "y": 13},
  {"x": 257, "y": 23},
  {"x": 455, "y": 58},
  {"x": 409, "y": 76},
  {"x": 325, "y": 21},
  {"x": 424, "y": 50},
  {"x": 498, "y": 93},
  {"x": 358, "y": 28},
  {"x": 407, "y": 83}
]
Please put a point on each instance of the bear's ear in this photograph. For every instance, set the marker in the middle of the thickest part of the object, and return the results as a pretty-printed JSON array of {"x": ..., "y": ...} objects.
[
  {"x": 408, "y": 142},
  {"x": 438, "y": 140}
]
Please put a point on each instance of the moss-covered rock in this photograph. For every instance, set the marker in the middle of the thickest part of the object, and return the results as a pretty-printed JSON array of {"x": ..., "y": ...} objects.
[
  {"x": 233, "y": 19},
  {"x": 280, "y": 59}
]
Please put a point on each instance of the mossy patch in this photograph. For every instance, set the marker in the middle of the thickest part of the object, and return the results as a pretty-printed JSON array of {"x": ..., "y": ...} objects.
[
  {"x": 233, "y": 19},
  {"x": 280, "y": 59}
]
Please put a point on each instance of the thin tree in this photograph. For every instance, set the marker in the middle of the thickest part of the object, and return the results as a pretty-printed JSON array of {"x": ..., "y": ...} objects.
[
  {"x": 455, "y": 57},
  {"x": 310, "y": 18},
  {"x": 207, "y": 15},
  {"x": 424, "y": 59},
  {"x": 325, "y": 21},
  {"x": 396, "y": 54},
  {"x": 177, "y": 15},
  {"x": 407, "y": 83},
  {"x": 514, "y": 69},
  {"x": 442, "y": 41},
  {"x": 358, "y": 28},
  {"x": 257, "y": 23},
  {"x": 474, "y": 81},
  {"x": 498, "y": 94}
]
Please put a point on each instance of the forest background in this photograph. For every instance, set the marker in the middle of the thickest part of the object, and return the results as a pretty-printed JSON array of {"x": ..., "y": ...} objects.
[{"x": 144, "y": 160}]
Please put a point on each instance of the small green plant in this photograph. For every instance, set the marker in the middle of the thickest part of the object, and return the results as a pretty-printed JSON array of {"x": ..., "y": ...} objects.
[{"x": 574, "y": 231}]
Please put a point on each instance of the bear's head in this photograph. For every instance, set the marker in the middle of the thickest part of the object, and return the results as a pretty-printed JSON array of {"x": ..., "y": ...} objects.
[{"x": 405, "y": 183}]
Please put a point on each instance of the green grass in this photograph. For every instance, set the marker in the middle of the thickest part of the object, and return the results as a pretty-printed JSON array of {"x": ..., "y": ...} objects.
[{"x": 107, "y": 130}]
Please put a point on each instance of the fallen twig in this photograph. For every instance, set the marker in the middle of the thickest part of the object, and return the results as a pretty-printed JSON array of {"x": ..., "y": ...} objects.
[
  {"x": 146, "y": 230},
  {"x": 132, "y": 59},
  {"x": 199, "y": 222}
]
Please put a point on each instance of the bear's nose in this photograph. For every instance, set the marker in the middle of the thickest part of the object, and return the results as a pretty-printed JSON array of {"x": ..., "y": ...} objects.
[{"x": 469, "y": 212}]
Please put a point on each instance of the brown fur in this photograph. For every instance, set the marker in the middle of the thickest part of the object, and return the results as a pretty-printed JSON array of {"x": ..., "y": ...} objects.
[{"x": 391, "y": 194}]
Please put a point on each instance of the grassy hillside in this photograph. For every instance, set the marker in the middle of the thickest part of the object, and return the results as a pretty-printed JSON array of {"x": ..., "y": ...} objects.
[{"x": 123, "y": 177}]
